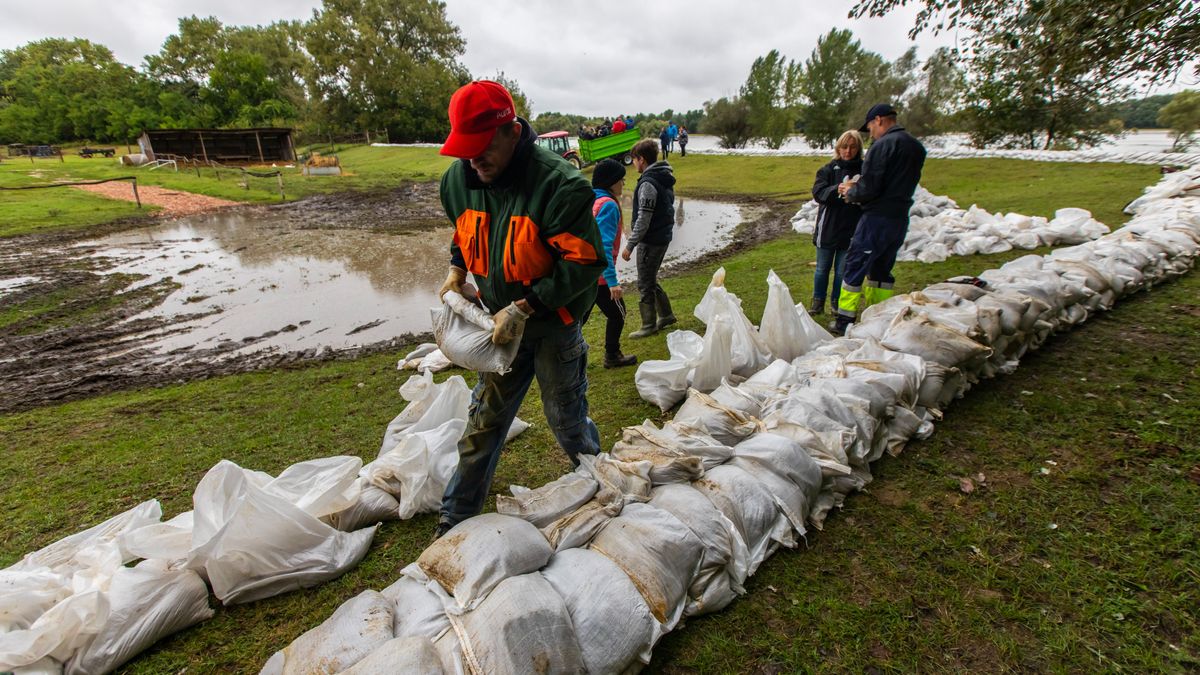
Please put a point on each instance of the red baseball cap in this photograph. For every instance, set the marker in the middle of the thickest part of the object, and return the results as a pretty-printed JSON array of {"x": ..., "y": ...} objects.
[{"x": 477, "y": 109}]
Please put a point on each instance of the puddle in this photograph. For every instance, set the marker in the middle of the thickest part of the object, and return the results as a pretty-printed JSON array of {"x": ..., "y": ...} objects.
[
  {"x": 254, "y": 279},
  {"x": 15, "y": 283}
]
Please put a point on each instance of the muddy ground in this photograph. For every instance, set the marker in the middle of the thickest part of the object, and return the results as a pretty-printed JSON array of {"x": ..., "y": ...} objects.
[{"x": 70, "y": 335}]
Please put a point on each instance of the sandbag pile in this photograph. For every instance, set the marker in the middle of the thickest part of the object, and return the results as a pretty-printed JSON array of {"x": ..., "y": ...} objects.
[
  {"x": 585, "y": 573},
  {"x": 938, "y": 229},
  {"x": 1081, "y": 156}
]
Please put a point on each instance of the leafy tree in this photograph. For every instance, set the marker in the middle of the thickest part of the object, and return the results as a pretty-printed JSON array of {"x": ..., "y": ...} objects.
[
  {"x": 522, "y": 103},
  {"x": 931, "y": 109},
  {"x": 831, "y": 84},
  {"x": 1140, "y": 113},
  {"x": 385, "y": 63},
  {"x": 728, "y": 120},
  {"x": 769, "y": 94},
  {"x": 555, "y": 121},
  {"x": 1182, "y": 117}
]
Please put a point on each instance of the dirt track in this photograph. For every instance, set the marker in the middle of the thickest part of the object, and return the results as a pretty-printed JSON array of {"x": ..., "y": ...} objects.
[{"x": 172, "y": 202}]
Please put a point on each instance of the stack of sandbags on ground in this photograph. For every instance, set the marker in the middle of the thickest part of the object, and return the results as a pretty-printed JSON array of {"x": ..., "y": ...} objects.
[
  {"x": 700, "y": 503},
  {"x": 925, "y": 205},
  {"x": 732, "y": 347},
  {"x": 1180, "y": 183},
  {"x": 975, "y": 231},
  {"x": 76, "y": 607}
]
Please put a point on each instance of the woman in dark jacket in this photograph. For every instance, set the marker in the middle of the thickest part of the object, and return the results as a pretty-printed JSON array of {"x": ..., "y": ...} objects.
[{"x": 836, "y": 219}]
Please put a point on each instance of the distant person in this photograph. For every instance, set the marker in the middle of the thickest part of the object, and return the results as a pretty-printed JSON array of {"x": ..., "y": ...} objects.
[
  {"x": 608, "y": 182},
  {"x": 524, "y": 229},
  {"x": 836, "y": 219},
  {"x": 673, "y": 132},
  {"x": 664, "y": 140},
  {"x": 653, "y": 227},
  {"x": 618, "y": 125},
  {"x": 629, "y": 122},
  {"x": 889, "y": 177},
  {"x": 683, "y": 139}
]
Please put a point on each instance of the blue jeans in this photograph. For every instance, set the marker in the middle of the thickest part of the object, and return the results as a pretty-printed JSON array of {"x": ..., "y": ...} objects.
[
  {"x": 827, "y": 258},
  {"x": 559, "y": 361}
]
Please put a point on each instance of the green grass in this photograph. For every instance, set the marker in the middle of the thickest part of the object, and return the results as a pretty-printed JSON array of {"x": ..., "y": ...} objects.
[{"x": 892, "y": 584}]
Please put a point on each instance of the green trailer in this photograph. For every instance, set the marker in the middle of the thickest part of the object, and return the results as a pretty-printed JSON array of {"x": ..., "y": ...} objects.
[{"x": 615, "y": 145}]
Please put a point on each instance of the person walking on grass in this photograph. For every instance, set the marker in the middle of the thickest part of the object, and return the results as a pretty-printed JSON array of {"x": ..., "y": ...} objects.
[
  {"x": 653, "y": 227},
  {"x": 524, "y": 229},
  {"x": 890, "y": 174},
  {"x": 836, "y": 219},
  {"x": 664, "y": 139},
  {"x": 608, "y": 181},
  {"x": 683, "y": 141}
]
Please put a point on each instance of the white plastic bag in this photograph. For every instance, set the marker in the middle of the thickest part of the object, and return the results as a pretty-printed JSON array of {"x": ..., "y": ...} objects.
[
  {"x": 782, "y": 330},
  {"x": 463, "y": 331},
  {"x": 417, "y": 470}
]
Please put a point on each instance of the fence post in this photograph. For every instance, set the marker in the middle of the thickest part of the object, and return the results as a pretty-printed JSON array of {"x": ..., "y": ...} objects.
[
  {"x": 136, "y": 198},
  {"x": 279, "y": 175}
]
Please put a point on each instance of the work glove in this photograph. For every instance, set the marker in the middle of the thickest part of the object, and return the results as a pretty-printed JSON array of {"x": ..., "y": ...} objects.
[
  {"x": 454, "y": 282},
  {"x": 510, "y": 324}
]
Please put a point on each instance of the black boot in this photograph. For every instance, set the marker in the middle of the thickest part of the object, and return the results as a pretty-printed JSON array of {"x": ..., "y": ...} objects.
[
  {"x": 619, "y": 360},
  {"x": 649, "y": 326},
  {"x": 839, "y": 325},
  {"x": 818, "y": 306},
  {"x": 833, "y": 305},
  {"x": 662, "y": 304}
]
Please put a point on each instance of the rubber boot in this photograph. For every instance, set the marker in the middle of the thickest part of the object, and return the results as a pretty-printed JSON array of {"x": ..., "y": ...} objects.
[
  {"x": 833, "y": 304},
  {"x": 818, "y": 306},
  {"x": 662, "y": 304},
  {"x": 649, "y": 327}
]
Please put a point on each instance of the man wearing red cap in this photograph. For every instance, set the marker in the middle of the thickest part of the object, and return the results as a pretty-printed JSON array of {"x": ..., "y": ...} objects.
[{"x": 524, "y": 229}]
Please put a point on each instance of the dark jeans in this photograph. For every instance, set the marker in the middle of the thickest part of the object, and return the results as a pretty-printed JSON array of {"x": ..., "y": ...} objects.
[
  {"x": 682, "y": 149},
  {"x": 559, "y": 361},
  {"x": 828, "y": 258},
  {"x": 614, "y": 313},
  {"x": 649, "y": 259}
]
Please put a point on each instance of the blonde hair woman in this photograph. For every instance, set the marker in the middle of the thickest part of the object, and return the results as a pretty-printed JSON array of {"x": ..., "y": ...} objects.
[{"x": 836, "y": 219}]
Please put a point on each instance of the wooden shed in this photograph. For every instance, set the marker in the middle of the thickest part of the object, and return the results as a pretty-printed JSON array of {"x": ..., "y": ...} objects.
[{"x": 220, "y": 145}]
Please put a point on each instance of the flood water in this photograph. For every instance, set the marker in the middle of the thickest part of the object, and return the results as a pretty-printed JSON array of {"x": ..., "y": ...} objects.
[{"x": 251, "y": 276}]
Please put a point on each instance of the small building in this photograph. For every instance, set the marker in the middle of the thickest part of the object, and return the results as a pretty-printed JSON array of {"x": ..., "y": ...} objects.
[{"x": 226, "y": 146}]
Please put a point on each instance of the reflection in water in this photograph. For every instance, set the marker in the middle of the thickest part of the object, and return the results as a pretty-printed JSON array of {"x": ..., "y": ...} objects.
[{"x": 249, "y": 273}]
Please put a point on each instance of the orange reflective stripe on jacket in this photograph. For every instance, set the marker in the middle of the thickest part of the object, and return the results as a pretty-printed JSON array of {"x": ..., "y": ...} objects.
[
  {"x": 573, "y": 248},
  {"x": 525, "y": 257},
  {"x": 471, "y": 236}
]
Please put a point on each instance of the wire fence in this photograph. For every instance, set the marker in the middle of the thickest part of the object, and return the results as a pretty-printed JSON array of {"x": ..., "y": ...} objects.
[{"x": 132, "y": 179}]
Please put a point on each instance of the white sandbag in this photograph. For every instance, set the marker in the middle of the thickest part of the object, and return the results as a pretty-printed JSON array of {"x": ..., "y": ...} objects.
[
  {"x": 77, "y": 550},
  {"x": 57, "y": 633},
  {"x": 723, "y": 567},
  {"x": 620, "y": 482},
  {"x": 579, "y": 527},
  {"x": 723, "y": 423},
  {"x": 374, "y": 505},
  {"x": 746, "y": 399},
  {"x": 416, "y": 610},
  {"x": 708, "y": 301},
  {"x": 522, "y": 627},
  {"x": 826, "y": 448},
  {"x": 430, "y": 405},
  {"x": 915, "y": 333},
  {"x": 782, "y": 329},
  {"x": 27, "y": 594},
  {"x": 253, "y": 543},
  {"x": 905, "y": 425},
  {"x": 518, "y": 427},
  {"x": 751, "y": 508},
  {"x": 676, "y": 438},
  {"x": 788, "y": 459},
  {"x": 360, "y": 626},
  {"x": 613, "y": 624},
  {"x": 813, "y": 331},
  {"x": 170, "y": 540},
  {"x": 551, "y": 501},
  {"x": 147, "y": 603},
  {"x": 463, "y": 331},
  {"x": 318, "y": 487},
  {"x": 409, "y": 655},
  {"x": 480, "y": 552},
  {"x": 658, "y": 552},
  {"x": 664, "y": 383},
  {"x": 417, "y": 470},
  {"x": 716, "y": 361}
]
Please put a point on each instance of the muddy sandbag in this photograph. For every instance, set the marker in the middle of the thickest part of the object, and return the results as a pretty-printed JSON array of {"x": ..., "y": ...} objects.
[
  {"x": 914, "y": 333},
  {"x": 408, "y": 655},
  {"x": 523, "y": 626},
  {"x": 658, "y": 552},
  {"x": 360, "y": 626},
  {"x": 463, "y": 331},
  {"x": 674, "y": 439},
  {"x": 430, "y": 405},
  {"x": 620, "y": 482},
  {"x": 904, "y": 426},
  {"x": 480, "y": 552},
  {"x": 147, "y": 603},
  {"x": 723, "y": 567},
  {"x": 723, "y": 423},
  {"x": 579, "y": 527},
  {"x": 551, "y": 501},
  {"x": 416, "y": 610},
  {"x": 751, "y": 508},
  {"x": 256, "y": 537},
  {"x": 613, "y": 624}
]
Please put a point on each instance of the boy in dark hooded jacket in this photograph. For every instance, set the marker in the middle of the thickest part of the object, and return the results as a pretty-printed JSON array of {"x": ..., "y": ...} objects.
[{"x": 653, "y": 227}]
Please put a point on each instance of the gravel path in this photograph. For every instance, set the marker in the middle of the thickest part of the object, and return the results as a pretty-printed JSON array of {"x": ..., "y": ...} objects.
[{"x": 173, "y": 202}]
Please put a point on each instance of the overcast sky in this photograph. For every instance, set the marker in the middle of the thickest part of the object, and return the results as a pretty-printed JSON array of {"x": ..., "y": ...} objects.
[{"x": 566, "y": 55}]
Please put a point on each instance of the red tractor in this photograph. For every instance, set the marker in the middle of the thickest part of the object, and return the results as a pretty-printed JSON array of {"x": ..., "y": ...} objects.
[{"x": 556, "y": 142}]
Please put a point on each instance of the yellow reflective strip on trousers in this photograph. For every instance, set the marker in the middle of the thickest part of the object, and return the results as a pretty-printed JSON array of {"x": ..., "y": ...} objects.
[
  {"x": 873, "y": 295},
  {"x": 849, "y": 302}
]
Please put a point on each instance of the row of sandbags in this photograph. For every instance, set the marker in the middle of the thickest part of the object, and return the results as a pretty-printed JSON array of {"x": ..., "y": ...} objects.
[
  {"x": 1081, "y": 156},
  {"x": 586, "y": 573},
  {"x": 76, "y": 606},
  {"x": 938, "y": 229}
]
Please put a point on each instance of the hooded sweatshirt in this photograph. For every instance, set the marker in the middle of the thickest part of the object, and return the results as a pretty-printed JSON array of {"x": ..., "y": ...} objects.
[{"x": 654, "y": 202}]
